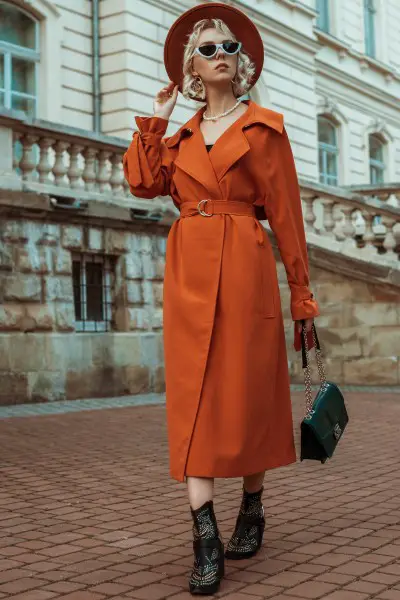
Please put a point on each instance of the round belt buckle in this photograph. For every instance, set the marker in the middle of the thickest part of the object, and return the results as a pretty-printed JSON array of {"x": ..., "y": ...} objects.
[{"x": 202, "y": 212}]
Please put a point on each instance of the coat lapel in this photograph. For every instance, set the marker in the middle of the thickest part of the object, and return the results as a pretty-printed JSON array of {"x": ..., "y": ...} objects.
[
  {"x": 193, "y": 157},
  {"x": 209, "y": 168},
  {"x": 228, "y": 149},
  {"x": 233, "y": 144}
]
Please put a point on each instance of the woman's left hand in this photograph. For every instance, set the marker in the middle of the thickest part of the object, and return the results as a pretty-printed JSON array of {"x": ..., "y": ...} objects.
[{"x": 308, "y": 323}]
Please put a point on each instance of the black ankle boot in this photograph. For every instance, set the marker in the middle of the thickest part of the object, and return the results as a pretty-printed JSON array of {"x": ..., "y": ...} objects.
[
  {"x": 208, "y": 568},
  {"x": 250, "y": 524}
]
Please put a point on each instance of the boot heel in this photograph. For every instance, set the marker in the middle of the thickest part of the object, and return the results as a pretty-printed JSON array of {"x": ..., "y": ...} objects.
[{"x": 222, "y": 561}]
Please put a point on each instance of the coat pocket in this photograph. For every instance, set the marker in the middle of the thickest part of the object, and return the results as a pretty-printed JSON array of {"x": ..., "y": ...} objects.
[{"x": 267, "y": 283}]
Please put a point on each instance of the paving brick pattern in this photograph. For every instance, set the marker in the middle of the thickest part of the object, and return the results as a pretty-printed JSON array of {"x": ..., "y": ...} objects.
[{"x": 88, "y": 512}]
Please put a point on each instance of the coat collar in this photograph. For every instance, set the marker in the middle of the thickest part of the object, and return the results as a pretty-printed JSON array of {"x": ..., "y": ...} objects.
[{"x": 229, "y": 148}]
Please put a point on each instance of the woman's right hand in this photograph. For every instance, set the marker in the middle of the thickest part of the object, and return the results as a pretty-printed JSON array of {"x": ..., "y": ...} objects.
[{"x": 165, "y": 100}]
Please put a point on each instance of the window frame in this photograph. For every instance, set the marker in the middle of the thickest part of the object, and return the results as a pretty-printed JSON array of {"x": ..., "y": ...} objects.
[
  {"x": 370, "y": 24},
  {"x": 374, "y": 164},
  {"x": 323, "y": 16},
  {"x": 83, "y": 325},
  {"x": 8, "y": 51},
  {"x": 328, "y": 149}
]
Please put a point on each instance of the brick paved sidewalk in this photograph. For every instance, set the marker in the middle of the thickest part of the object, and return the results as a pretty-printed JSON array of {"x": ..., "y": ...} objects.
[{"x": 88, "y": 512}]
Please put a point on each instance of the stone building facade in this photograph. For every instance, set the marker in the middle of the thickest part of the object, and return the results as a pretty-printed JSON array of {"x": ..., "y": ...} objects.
[{"x": 82, "y": 261}]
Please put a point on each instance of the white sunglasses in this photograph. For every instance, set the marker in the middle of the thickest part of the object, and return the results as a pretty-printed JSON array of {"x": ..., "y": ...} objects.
[{"x": 210, "y": 50}]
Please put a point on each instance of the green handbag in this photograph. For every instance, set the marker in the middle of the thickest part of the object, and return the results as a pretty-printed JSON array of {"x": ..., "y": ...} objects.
[{"x": 326, "y": 416}]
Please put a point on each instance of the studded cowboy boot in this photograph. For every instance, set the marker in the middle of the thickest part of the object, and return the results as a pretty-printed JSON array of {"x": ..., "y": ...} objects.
[
  {"x": 247, "y": 537},
  {"x": 208, "y": 568}
]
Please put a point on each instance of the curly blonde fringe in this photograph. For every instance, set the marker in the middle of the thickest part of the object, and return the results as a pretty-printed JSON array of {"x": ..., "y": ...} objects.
[{"x": 192, "y": 87}]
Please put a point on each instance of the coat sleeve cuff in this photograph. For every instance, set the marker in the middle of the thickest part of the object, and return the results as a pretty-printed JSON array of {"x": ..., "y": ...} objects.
[
  {"x": 151, "y": 129},
  {"x": 303, "y": 305}
]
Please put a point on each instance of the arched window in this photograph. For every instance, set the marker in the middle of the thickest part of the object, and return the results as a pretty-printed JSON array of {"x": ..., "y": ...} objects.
[
  {"x": 376, "y": 159},
  {"x": 19, "y": 58},
  {"x": 322, "y": 7},
  {"x": 369, "y": 27},
  {"x": 328, "y": 152}
]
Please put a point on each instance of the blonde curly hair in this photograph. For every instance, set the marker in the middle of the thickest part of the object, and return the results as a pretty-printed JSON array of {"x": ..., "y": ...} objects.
[{"x": 192, "y": 87}]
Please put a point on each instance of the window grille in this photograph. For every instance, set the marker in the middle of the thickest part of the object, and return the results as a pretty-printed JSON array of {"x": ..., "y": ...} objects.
[
  {"x": 92, "y": 277},
  {"x": 369, "y": 26},
  {"x": 376, "y": 160},
  {"x": 328, "y": 152},
  {"x": 19, "y": 59},
  {"x": 323, "y": 15}
]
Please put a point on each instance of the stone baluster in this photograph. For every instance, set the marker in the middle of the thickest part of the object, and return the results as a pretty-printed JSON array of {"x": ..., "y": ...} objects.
[
  {"x": 16, "y": 146},
  {"x": 126, "y": 188},
  {"x": 389, "y": 243},
  {"x": 44, "y": 166},
  {"x": 309, "y": 215},
  {"x": 328, "y": 220},
  {"x": 74, "y": 171},
  {"x": 369, "y": 236},
  {"x": 103, "y": 176},
  {"x": 28, "y": 162},
  {"x": 60, "y": 167},
  {"x": 382, "y": 195},
  {"x": 348, "y": 227},
  {"x": 89, "y": 172},
  {"x": 117, "y": 176},
  {"x": 337, "y": 215}
]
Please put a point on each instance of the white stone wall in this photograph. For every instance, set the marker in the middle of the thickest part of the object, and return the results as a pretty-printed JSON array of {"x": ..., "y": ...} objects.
[{"x": 76, "y": 56}]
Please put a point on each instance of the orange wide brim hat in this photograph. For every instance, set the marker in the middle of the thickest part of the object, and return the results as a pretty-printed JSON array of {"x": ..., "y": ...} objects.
[{"x": 241, "y": 26}]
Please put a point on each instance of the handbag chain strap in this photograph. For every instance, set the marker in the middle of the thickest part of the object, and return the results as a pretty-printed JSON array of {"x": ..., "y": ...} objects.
[{"x": 307, "y": 370}]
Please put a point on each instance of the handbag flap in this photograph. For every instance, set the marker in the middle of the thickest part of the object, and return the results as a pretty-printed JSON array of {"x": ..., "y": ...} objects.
[{"x": 329, "y": 416}]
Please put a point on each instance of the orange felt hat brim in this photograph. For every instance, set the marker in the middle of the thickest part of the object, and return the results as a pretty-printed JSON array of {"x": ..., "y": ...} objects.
[{"x": 239, "y": 23}]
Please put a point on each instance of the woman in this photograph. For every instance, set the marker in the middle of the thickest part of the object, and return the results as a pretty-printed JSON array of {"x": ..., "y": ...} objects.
[{"x": 227, "y": 383}]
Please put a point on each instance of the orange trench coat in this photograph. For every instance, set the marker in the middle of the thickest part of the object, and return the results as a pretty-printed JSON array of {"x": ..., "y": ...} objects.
[{"x": 227, "y": 383}]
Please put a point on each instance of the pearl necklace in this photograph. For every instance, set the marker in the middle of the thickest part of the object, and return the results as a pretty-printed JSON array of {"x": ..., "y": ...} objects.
[{"x": 224, "y": 114}]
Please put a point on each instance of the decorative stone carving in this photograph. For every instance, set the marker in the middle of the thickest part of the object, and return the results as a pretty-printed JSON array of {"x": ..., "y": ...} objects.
[
  {"x": 103, "y": 176},
  {"x": 74, "y": 171},
  {"x": 117, "y": 175},
  {"x": 60, "y": 168},
  {"x": 89, "y": 172},
  {"x": 44, "y": 166},
  {"x": 28, "y": 161}
]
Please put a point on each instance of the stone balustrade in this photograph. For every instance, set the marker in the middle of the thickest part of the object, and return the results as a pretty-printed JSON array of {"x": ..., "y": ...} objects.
[
  {"x": 382, "y": 191},
  {"x": 45, "y": 156},
  {"x": 366, "y": 227},
  {"x": 60, "y": 160}
]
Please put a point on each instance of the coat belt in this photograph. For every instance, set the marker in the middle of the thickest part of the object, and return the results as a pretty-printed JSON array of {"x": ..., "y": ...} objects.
[{"x": 208, "y": 208}]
